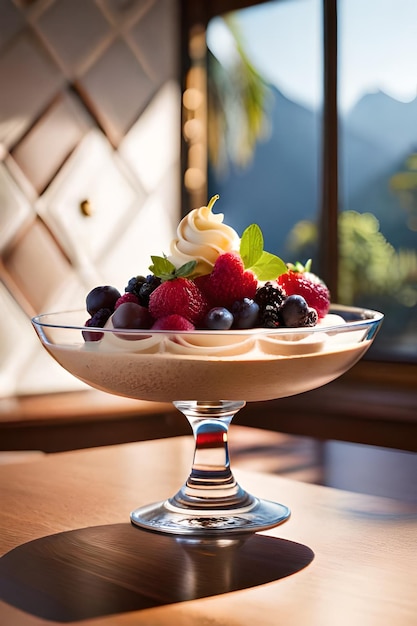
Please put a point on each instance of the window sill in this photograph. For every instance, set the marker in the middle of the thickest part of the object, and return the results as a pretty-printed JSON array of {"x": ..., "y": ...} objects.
[
  {"x": 374, "y": 403},
  {"x": 67, "y": 421}
]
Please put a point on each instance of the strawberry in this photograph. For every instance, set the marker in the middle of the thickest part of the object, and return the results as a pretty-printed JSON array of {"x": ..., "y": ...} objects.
[
  {"x": 201, "y": 282},
  {"x": 229, "y": 282},
  {"x": 173, "y": 322},
  {"x": 300, "y": 281},
  {"x": 179, "y": 296}
]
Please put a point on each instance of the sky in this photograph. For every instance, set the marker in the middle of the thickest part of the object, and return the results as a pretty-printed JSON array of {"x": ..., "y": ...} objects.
[{"x": 377, "y": 47}]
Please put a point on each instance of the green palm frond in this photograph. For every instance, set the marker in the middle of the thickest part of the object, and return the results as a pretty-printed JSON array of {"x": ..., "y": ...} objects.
[{"x": 237, "y": 104}]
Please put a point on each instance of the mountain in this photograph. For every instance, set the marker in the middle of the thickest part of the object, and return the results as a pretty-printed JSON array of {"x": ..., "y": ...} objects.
[
  {"x": 282, "y": 184},
  {"x": 361, "y": 159},
  {"x": 376, "y": 137},
  {"x": 382, "y": 131},
  {"x": 385, "y": 122}
]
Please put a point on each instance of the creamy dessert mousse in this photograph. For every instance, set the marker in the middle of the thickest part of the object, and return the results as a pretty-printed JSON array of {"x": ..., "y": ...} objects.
[{"x": 218, "y": 318}]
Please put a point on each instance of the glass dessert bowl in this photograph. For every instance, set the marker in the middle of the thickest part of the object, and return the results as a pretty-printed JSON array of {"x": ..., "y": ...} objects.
[{"x": 209, "y": 376}]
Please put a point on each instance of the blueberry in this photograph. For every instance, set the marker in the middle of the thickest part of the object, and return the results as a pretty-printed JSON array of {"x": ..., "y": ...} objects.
[
  {"x": 104, "y": 297},
  {"x": 219, "y": 318},
  {"x": 245, "y": 313},
  {"x": 295, "y": 313}
]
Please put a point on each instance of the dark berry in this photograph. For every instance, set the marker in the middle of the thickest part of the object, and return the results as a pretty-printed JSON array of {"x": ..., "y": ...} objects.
[
  {"x": 269, "y": 317},
  {"x": 131, "y": 315},
  {"x": 135, "y": 284},
  {"x": 312, "y": 317},
  {"x": 269, "y": 294},
  {"x": 142, "y": 287},
  {"x": 150, "y": 284},
  {"x": 295, "y": 313},
  {"x": 218, "y": 318},
  {"x": 245, "y": 313},
  {"x": 270, "y": 298},
  {"x": 104, "y": 297},
  {"x": 98, "y": 320}
]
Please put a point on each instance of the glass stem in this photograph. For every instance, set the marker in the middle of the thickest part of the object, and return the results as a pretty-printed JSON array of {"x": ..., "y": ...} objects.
[{"x": 211, "y": 483}]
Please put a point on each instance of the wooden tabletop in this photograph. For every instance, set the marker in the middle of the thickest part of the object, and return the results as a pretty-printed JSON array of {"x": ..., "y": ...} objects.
[{"x": 72, "y": 556}]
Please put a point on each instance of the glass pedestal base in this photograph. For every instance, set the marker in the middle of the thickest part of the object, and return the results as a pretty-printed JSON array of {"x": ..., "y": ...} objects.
[
  {"x": 165, "y": 517},
  {"x": 211, "y": 502}
]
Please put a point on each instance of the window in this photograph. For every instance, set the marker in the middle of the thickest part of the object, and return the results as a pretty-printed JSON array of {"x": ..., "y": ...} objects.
[
  {"x": 265, "y": 109},
  {"x": 377, "y": 98},
  {"x": 351, "y": 194}
]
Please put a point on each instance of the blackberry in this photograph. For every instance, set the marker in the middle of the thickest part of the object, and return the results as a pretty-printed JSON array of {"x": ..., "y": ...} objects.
[
  {"x": 134, "y": 285},
  {"x": 269, "y": 294},
  {"x": 150, "y": 284},
  {"x": 269, "y": 298},
  {"x": 269, "y": 317},
  {"x": 99, "y": 318},
  {"x": 312, "y": 317}
]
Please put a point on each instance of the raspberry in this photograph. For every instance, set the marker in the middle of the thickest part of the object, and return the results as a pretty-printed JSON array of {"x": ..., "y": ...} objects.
[
  {"x": 127, "y": 297},
  {"x": 229, "y": 281},
  {"x": 179, "y": 296},
  {"x": 308, "y": 285},
  {"x": 173, "y": 322}
]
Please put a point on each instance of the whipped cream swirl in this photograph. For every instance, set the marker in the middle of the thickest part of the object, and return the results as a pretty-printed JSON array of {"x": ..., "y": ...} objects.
[{"x": 202, "y": 236}]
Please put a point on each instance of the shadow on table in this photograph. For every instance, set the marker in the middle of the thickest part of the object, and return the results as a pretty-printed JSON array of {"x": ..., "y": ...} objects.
[{"x": 104, "y": 570}]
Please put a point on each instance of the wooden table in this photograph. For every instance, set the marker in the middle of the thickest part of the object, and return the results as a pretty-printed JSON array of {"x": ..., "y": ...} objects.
[{"x": 71, "y": 555}]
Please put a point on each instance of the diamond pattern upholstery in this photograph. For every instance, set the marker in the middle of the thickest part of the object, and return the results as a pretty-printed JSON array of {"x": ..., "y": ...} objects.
[{"x": 89, "y": 117}]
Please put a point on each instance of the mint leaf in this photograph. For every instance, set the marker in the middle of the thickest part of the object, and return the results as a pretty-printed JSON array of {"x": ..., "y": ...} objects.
[
  {"x": 165, "y": 270},
  {"x": 264, "y": 265},
  {"x": 251, "y": 245},
  {"x": 268, "y": 267},
  {"x": 186, "y": 269},
  {"x": 161, "y": 267}
]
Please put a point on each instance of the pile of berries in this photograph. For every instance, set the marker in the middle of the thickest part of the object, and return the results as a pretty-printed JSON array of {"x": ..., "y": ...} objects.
[{"x": 230, "y": 297}]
